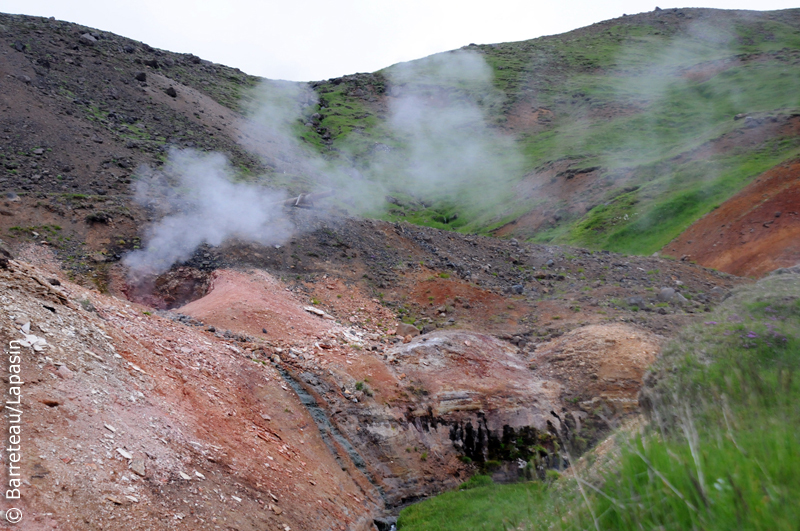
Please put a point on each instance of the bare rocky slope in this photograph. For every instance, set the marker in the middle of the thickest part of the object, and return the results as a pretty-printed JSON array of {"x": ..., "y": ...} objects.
[
  {"x": 284, "y": 399},
  {"x": 279, "y": 387}
]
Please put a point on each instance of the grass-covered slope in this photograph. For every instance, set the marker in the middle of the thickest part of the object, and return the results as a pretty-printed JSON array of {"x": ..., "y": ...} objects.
[
  {"x": 615, "y": 136},
  {"x": 721, "y": 449},
  {"x": 620, "y": 134}
]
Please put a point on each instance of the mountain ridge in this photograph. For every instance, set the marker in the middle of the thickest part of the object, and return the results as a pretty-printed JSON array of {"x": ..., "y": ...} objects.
[{"x": 528, "y": 107}]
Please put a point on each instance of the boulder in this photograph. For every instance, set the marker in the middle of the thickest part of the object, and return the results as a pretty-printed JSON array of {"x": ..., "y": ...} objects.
[
  {"x": 428, "y": 328},
  {"x": 794, "y": 270},
  {"x": 388, "y": 523},
  {"x": 404, "y": 329},
  {"x": 637, "y": 301},
  {"x": 87, "y": 39},
  {"x": 5, "y": 255},
  {"x": 138, "y": 466},
  {"x": 64, "y": 372},
  {"x": 666, "y": 294}
]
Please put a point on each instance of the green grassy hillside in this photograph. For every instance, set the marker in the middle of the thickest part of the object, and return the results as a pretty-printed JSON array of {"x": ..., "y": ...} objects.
[
  {"x": 617, "y": 136},
  {"x": 637, "y": 113}
]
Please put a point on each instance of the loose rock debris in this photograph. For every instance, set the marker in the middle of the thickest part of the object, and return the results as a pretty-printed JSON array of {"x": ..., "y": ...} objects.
[{"x": 211, "y": 420}]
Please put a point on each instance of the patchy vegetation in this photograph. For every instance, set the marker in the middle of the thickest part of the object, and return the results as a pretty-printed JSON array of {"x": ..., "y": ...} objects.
[
  {"x": 422, "y": 350},
  {"x": 653, "y": 121},
  {"x": 720, "y": 450}
]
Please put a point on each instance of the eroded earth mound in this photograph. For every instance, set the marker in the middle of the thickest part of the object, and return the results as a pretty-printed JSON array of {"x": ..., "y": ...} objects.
[
  {"x": 295, "y": 393},
  {"x": 754, "y": 232}
]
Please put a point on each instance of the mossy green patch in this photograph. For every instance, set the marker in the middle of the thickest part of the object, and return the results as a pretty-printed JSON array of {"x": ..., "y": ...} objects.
[{"x": 721, "y": 450}]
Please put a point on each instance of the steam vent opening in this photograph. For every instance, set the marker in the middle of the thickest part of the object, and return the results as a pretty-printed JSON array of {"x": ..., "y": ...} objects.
[{"x": 178, "y": 286}]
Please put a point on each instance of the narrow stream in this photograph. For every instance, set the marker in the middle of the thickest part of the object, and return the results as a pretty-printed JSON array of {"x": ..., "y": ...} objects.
[{"x": 329, "y": 431}]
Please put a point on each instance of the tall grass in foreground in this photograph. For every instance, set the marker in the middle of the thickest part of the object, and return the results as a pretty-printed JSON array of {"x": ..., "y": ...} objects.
[{"x": 721, "y": 449}]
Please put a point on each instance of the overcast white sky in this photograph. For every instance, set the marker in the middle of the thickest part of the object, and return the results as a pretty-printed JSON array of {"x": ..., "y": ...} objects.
[{"x": 306, "y": 40}]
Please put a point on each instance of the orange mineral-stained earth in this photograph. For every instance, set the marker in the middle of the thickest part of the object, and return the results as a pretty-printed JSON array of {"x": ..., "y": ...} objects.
[{"x": 754, "y": 232}]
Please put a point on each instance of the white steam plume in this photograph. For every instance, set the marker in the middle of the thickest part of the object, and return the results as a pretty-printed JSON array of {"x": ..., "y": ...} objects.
[
  {"x": 201, "y": 204},
  {"x": 272, "y": 112},
  {"x": 444, "y": 145},
  {"x": 438, "y": 125},
  {"x": 439, "y": 110}
]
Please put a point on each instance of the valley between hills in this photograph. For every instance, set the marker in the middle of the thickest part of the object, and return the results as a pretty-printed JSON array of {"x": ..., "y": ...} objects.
[{"x": 519, "y": 274}]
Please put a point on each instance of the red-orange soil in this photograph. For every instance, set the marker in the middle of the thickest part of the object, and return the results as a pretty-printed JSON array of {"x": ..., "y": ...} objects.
[
  {"x": 252, "y": 302},
  {"x": 754, "y": 232}
]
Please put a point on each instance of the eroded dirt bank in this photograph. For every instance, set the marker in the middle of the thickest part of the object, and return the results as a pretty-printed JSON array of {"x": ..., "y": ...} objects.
[
  {"x": 754, "y": 232},
  {"x": 133, "y": 420},
  {"x": 291, "y": 393}
]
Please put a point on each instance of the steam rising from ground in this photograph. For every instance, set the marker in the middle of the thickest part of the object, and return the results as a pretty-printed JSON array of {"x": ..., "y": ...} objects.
[
  {"x": 443, "y": 146},
  {"x": 438, "y": 145},
  {"x": 438, "y": 111},
  {"x": 201, "y": 203},
  {"x": 272, "y": 112}
]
